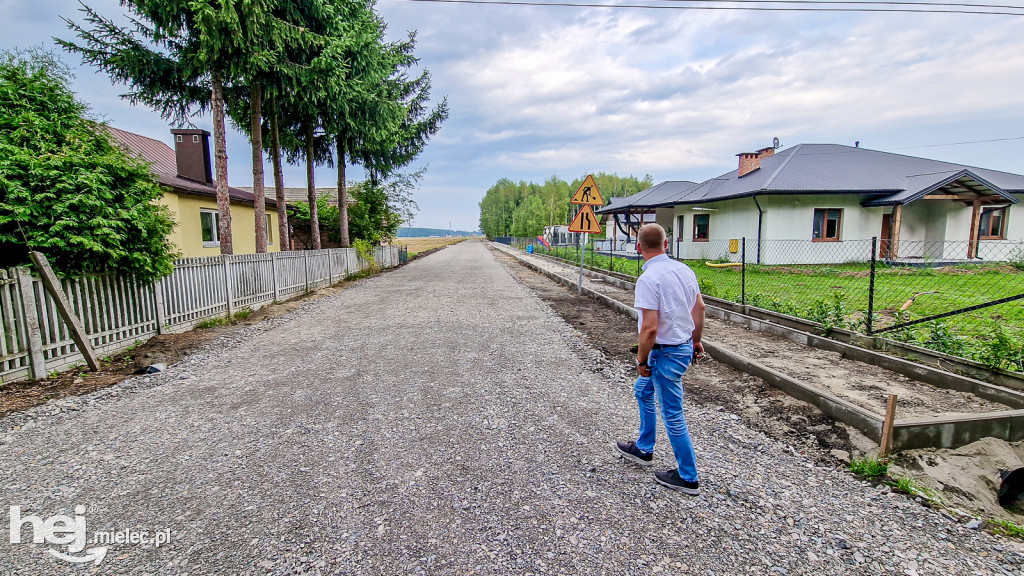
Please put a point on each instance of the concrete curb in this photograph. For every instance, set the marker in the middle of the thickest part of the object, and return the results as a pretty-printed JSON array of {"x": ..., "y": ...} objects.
[
  {"x": 867, "y": 422},
  {"x": 610, "y": 302}
]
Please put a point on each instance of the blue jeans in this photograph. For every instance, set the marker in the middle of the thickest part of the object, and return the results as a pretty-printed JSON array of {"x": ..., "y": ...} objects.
[{"x": 666, "y": 385}]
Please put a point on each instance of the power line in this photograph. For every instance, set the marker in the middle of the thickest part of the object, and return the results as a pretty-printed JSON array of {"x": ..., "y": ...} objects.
[
  {"x": 853, "y": 3},
  {"x": 959, "y": 143},
  {"x": 738, "y": 8}
]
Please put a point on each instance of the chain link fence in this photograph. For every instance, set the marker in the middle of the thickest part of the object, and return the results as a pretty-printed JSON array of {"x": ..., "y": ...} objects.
[{"x": 953, "y": 297}]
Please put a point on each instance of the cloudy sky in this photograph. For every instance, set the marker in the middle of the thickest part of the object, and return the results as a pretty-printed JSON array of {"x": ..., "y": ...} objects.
[{"x": 536, "y": 91}]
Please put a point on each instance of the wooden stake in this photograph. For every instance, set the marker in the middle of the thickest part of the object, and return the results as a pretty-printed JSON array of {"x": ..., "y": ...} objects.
[
  {"x": 66, "y": 310},
  {"x": 972, "y": 244},
  {"x": 34, "y": 339},
  {"x": 897, "y": 223},
  {"x": 887, "y": 425}
]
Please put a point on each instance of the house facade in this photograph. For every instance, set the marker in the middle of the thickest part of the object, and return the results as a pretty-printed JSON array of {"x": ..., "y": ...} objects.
[
  {"x": 191, "y": 194},
  {"x": 823, "y": 203}
]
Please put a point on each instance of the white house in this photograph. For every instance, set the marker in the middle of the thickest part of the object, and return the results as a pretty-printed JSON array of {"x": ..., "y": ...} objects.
[{"x": 821, "y": 203}]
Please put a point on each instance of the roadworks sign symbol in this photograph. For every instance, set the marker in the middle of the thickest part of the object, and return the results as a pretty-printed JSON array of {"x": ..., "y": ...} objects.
[
  {"x": 588, "y": 194},
  {"x": 585, "y": 222}
]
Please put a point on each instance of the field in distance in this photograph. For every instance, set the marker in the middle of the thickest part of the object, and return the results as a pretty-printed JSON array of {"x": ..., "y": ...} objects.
[{"x": 417, "y": 245}]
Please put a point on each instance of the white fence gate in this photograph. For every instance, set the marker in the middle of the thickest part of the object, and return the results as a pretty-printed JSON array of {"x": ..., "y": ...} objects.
[{"x": 116, "y": 312}]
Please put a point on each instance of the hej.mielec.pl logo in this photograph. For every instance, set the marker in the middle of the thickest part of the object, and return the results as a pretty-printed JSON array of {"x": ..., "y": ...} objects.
[{"x": 63, "y": 531}]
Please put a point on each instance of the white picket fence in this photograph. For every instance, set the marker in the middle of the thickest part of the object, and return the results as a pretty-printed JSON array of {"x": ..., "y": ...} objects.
[{"x": 117, "y": 312}]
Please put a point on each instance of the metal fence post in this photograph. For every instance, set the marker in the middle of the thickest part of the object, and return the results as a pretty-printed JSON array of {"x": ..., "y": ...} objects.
[
  {"x": 273, "y": 273},
  {"x": 869, "y": 324},
  {"x": 743, "y": 270},
  {"x": 33, "y": 337},
  {"x": 228, "y": 291}
]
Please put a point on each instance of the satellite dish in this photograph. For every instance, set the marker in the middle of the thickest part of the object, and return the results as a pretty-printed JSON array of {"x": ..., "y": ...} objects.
[{"x": 775, "y": 143}]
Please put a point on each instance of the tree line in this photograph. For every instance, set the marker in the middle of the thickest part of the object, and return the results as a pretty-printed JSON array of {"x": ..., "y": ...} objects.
[
  {"x": 523, "y": 209},
  {"x": 308, "y": 81}
]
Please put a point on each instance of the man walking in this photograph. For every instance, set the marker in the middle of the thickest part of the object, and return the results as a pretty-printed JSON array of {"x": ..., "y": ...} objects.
[{"x": 671, "y": 321}]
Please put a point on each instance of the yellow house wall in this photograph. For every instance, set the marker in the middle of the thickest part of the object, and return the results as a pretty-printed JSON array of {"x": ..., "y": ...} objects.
[{"x": 187, "y": 235}]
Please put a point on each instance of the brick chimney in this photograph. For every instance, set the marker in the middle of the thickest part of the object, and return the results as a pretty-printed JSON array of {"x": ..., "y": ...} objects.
[
  {"x": 192, "y": 154},
  {"x": 750, "y": 161}
]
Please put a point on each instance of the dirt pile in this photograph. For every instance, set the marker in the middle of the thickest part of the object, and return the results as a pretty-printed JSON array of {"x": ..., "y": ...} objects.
[{"x": 967, "y": 478}]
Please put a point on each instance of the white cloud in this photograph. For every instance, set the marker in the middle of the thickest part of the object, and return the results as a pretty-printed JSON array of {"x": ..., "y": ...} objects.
[{"x": 535, "y": 91}]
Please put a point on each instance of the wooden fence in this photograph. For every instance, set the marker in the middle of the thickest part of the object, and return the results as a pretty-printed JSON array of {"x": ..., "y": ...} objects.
[{"x": 117, "y": 312}]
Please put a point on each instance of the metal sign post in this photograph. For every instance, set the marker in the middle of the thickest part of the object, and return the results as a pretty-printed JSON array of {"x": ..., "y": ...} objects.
[
  {"x": 585, "y": 221},
  {"x": 583, "y": 254}
]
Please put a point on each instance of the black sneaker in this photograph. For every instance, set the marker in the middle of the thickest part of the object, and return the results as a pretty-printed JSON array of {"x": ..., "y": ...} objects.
[
  {"x": 671, "y": 479},
  {"x": 629, "y": 451}
]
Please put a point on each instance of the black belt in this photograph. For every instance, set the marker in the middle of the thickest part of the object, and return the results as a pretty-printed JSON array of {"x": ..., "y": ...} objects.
[{"x": 661, "y": 346}]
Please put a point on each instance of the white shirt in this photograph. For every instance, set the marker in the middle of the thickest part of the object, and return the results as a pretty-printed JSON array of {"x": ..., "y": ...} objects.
[{"x": 671, "y": 288}]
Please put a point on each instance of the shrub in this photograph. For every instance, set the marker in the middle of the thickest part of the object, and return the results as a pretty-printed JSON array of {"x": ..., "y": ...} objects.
[
  {"x": 708, "y": 288},
  {"x": 942, "y": 339},
  {"x": 1001, "y": 350},
  {"x": 67, "y": 188}
]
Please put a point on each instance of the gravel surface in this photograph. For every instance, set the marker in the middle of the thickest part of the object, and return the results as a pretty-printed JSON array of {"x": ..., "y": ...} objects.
[
  {"x": 439, "y": 419},
  {"x": 862, "y": 384}
]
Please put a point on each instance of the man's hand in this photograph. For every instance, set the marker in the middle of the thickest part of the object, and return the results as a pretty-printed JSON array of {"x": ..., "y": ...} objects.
[
  {"x": 643, "y": 369},
  {"x": 698, "y": 352}
]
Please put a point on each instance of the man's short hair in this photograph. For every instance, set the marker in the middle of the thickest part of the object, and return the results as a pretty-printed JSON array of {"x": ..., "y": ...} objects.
[{"x": 651, "y": 236}]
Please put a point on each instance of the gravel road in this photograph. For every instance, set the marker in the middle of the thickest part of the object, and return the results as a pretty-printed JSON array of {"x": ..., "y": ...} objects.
[{"x": 438, "y": 419}]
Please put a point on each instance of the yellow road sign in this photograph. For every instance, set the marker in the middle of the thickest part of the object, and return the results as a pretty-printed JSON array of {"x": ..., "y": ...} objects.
[
  {"x": 585, "y": 222},
  {"x": 588, "y": 194}
]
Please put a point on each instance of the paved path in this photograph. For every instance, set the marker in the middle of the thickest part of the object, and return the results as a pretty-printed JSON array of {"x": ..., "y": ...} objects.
[{"x": 438, "y": 419}]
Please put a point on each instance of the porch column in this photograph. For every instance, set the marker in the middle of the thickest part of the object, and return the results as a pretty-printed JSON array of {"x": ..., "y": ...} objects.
[
  {"x": 897, "y": 218},
  {"x": 972, "y": 244}
]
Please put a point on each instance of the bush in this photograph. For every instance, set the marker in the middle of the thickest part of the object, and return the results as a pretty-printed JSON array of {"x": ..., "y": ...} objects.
[
  {"x": 942, "y": 339},
  {"x": 708, "y": 288},
  {"x": 67, "y": 189},
  {"x": 1001, "y": 351}
]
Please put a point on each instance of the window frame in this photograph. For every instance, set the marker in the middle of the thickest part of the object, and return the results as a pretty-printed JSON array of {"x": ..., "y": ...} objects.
[
  {"x": 707, "y": 238},
  {"x": 1002, "y": 223},
  {"x": 270, "y": 232},
  {"x": 680, "y": 226},
  {"x": 824, "y": 224},
  {"x": 215, "y": 243}
]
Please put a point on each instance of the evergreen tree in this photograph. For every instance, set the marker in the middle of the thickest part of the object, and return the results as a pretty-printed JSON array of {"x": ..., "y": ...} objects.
[
  {"x": 67, "y": 188},
  {"x": 180, "y": 58}
]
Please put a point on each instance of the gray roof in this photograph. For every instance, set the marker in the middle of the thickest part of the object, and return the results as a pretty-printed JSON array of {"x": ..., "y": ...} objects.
[
  {"x": 883, "y": 177},
  {"x": 647, "y": 199}
]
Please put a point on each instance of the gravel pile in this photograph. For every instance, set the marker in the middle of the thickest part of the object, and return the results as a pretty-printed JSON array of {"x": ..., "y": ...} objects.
[{"x": 439, "y": 419}]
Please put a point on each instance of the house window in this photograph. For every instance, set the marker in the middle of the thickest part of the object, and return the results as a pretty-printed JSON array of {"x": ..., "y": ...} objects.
[
  {"x": 209, "y": 222},
  {"x": 195, "y": 139},
  {"x": 270, "y": 231},
  {"x": 177, "y": 138},
  {"x": 701, "y": 227},
  {"x": 679, "y": 226},
  {"x": 827, "y": 224},
  {"x": 993, "y": 223}
]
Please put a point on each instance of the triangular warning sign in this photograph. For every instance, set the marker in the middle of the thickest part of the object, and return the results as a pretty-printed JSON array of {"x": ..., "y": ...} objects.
[
  {"x": 585, "y": 222},
  {"x": 588, "y": 194}
]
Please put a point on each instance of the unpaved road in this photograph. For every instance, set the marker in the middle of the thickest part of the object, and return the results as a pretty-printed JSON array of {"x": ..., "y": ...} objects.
[{"x": 439, "y": 419}]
